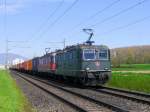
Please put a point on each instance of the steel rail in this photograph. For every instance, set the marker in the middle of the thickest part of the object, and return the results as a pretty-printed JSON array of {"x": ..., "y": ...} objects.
[
  {"x": 127, "y": 91},
  {"x": 129, "y": 97}
]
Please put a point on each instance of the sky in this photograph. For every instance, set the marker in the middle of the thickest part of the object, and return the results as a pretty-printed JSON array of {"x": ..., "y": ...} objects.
[{"x": 34, "y": 25}]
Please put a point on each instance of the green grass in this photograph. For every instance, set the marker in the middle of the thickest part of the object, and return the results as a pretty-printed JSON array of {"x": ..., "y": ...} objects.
[
  {"x": 132, "y": 67},
  {"x": 132, "y": 81},
  {"x": 11, "y": 98}
]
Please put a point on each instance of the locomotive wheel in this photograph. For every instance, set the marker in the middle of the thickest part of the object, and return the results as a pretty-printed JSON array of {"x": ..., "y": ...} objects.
[{"x": 84, "y": 80}]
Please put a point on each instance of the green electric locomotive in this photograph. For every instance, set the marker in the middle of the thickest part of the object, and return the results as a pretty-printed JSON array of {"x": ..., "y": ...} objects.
[{"x": 84, "y": 63}]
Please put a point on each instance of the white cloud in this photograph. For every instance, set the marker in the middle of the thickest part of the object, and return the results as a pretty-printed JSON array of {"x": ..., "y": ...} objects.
[
  {"x": 15, "y": 6},
  {"x": 54, "y": 0},
  {"x": 12, "y": 7}
]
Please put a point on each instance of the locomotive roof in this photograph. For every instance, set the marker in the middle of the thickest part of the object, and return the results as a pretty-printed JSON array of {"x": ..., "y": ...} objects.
[
  {"x": 85, "y": 46},
  {"x": 93, "y": 46},
  {"x": 81, "y": 46}
]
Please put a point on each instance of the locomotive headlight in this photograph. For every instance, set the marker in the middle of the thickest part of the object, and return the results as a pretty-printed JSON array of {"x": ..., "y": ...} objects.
[
  {"x": 105, "y": 68},
  {"x": 87, "y": 69}
]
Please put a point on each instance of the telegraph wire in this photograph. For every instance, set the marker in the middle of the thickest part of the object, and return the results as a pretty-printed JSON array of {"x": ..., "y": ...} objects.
[
  {"x": 49, "y": 17},
  {"x": 126, "y": 26},
  {"x": 119, "y": 13},
  {"x": 58, "y": 18},
  {"x": 95, "y": 14}
]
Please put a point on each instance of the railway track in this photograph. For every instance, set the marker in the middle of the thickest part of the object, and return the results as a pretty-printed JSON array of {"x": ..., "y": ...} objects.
[
  {"x": 129, "y": 92},
  {"x": 80, "y": 102},
  {"x": 134, "y": 96}
]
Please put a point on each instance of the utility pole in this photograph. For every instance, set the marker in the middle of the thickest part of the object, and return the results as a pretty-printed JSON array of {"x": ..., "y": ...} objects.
[
  {"x": 6, "y": 60},
  {"x": 64, "y": 42},
  {"x": 5, "y": 33}
]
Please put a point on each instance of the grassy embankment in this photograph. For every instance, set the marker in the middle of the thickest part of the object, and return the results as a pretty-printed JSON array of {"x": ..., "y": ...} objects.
[
  {"x": 132, "y": 81},
  {"x": 11, "y": 98}
]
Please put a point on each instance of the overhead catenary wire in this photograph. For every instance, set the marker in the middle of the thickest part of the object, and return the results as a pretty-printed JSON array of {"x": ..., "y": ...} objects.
[
  {"x": 16, "y": 41},
  {"x": 48, "y": 18},
  {"x": 63, "y": 42},
  {"x": 125, "y": 26},
  {"x": 93, "y": 15},
  {"x": 119, "y": 13},
  {"x": 57, "y": 19},
  {"x": 116, "y": 14},
  {"x": 17, "y": 47}
]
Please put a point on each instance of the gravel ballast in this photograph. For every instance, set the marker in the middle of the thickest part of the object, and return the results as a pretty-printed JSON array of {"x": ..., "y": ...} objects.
[
  {"x": 132, "y": 106},
  {"x": 83, "y": 103},
  {"x": 40, "y": 100}
]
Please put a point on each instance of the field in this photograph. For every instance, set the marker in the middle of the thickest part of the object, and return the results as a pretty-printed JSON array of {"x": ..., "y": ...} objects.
[
  {"x": 136, "y": 77},
  {"x": 133, "y": 67},
  {"x": 11, "y": 98}
]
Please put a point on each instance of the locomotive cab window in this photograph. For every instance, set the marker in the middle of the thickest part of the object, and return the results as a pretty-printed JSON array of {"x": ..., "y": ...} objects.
[
  {"x": 89, "y": 54},
  {"x": 103, "y": 54}
]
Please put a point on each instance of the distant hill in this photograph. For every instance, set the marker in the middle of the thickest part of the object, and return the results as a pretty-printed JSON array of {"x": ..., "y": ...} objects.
[
  {"x": 130, "y": 55},
  {"x": 11, "y": 57}
]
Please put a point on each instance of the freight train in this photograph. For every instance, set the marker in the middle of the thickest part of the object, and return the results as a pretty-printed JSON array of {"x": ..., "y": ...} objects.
[{"x": 84, "y": 64}]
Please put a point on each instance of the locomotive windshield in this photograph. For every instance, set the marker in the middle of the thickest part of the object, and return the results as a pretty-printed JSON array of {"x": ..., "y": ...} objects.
[
  {"x": 103, "y": 54},
  {"x": 89, "y": 54}
]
